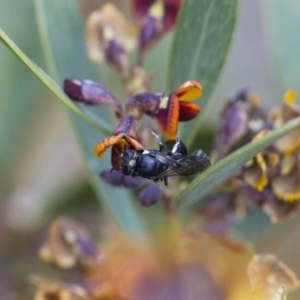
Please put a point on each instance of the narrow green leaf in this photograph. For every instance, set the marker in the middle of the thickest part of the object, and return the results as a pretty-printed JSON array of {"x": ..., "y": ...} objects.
[
  {"x": 281, "y": 19},
  {"x": 223, "y": 169},
  {"x": 202, "y": 41},
  {"x": 16, "y": 115},
  {"x": 52, "y": 85}
]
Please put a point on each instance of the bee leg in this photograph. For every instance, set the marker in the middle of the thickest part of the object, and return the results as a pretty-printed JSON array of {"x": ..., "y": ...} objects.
[
  {"x": 166, "y": 180},
  {"x": 177, "y": 137},
  {"x": 161, "y": 145}
]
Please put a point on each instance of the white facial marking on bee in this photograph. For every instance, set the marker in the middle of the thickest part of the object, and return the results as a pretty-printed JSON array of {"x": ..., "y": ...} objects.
[{"x": 132, "y": 163}]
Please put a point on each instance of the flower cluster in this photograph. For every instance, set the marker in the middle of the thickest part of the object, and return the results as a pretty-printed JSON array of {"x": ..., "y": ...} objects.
[
  {"x": 190, "y": 263},
  {"x": 167, "y": 110},
  {"x": 187, "y": 265},
  {"x": 270, "y": 180},
  {"x": 110, "y": 37}
]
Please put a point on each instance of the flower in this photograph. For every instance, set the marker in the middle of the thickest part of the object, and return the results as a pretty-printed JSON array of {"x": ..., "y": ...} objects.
[
  {"x": 241, "y": 115},
  {"x": 170, "y": 7},
  {"x": 68, "y": 244},
  {"x": 167, "y": 110},
  {"x": 181, "y": 263},
  {"x": 155, "y": 17},
  {"x": 110, "y": 36},
  {"x": 272, "y": 178},
  {"x": 267, "y": 272}
]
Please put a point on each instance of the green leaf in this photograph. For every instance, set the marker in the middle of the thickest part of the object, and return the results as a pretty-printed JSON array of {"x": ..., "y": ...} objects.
[
  {"x": 202, "y": 41},
  {"x": 18, "y": 101},
  {"x": 52, "y": 85},
  {"x": 223, "y": 169},
  {"x": 281, "y": 19}
]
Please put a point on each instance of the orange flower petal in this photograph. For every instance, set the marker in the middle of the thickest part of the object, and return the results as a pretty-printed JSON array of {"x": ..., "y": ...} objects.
[
  {"x": 101, "y": 147},
  {"x": 119, "y": 148},
  {"x": 121, "y": 139},
  {"x": 117, "y": 151},
  {"x": 132, "y": 142},
  {"x": 190, "y": 90},
  {"x": 188, "y": 111},
  {"x": 168, "y": 115}
]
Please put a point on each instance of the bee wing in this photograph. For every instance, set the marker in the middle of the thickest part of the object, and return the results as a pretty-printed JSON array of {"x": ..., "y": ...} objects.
[{"x": 192, "y": 164}]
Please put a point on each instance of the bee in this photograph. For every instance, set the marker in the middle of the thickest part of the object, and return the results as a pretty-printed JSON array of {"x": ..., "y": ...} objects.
[{"x": 159, "y": 164}]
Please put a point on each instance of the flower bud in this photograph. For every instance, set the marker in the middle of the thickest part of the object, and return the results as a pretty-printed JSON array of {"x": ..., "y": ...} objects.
[
  {"x": 141, "y": 8},
  {"x": 152, "y": 28},
  {"x": 117, "y": 178},
  {"x": 89, "y": 92},
  {"x": 150, "y": 195}
]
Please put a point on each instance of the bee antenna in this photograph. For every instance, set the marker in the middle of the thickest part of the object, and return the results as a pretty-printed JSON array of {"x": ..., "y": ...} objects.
[
  {"x": 176, "y": 145},
  {"x": 177, "y": 137}
]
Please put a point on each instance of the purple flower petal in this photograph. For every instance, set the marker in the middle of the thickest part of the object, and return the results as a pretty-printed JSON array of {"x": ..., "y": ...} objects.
[
  {"x": 147, "y": 103},
  {"x": 150, "y": 195},
  {"x": 89, "y": 92}
]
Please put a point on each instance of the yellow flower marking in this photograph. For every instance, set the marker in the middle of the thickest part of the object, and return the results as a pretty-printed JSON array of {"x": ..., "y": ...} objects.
[
  {"x": 157, "y": 10},
  {"x": 290, "y": 97}
]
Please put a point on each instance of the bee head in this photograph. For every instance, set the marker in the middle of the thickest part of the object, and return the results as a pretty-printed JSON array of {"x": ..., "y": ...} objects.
[
  {"x": 178, "y": 148},
  {"x": 128, "y": 162}
]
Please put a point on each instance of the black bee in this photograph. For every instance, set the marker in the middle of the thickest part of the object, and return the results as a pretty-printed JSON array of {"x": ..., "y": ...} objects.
[{"x": 157, "y": 165}]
